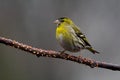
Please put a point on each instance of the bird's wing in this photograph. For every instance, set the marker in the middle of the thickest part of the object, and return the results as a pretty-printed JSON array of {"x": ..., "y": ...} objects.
[{"x": 81, "y": 36}]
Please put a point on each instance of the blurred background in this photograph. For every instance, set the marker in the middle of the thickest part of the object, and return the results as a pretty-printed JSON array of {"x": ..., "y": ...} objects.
[{"x": 31, "y": 22}]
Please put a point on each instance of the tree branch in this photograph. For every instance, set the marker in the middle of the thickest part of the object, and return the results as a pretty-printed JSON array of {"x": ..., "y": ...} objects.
[{"x": 53, "y": 54}]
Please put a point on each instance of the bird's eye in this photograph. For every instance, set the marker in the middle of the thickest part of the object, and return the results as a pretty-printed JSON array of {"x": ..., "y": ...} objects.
[{"x": 61, "y": 20}]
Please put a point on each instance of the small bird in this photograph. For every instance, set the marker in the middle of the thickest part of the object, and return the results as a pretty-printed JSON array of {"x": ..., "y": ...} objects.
[{"x": 70, "y": 37}]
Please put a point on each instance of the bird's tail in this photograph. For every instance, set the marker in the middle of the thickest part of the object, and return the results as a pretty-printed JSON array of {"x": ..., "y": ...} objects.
[{"x": 93, "y": 51}]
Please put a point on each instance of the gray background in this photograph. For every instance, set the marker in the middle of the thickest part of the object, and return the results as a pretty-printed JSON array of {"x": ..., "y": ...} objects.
[{"x": 31, "y": 22}]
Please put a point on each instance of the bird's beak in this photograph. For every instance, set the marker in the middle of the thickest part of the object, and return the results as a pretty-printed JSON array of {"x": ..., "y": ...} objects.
[{"x": 56, "y": 22}]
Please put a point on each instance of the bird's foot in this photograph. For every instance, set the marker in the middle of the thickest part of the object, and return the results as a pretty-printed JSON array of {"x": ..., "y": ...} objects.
[
  {"x": 79, "y": 56},
  {"x": 62, "y": 52}
]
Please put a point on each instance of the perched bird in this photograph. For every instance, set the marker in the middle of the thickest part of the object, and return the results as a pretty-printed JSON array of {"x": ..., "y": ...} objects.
[{"x": 70, "y": 37}]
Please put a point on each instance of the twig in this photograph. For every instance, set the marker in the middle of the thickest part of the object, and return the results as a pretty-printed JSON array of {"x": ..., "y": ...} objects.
[{"x": 53, "y": 54}]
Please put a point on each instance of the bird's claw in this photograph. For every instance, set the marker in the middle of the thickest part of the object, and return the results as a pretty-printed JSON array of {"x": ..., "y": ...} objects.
[{"x": 62, "y": 52}]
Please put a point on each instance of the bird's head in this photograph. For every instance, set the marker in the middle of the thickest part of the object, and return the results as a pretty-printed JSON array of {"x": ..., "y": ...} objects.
[{"x": 63, "y": 20}]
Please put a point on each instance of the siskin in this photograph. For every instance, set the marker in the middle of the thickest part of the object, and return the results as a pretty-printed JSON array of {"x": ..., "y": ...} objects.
[{"x": 70, "y": 37}]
